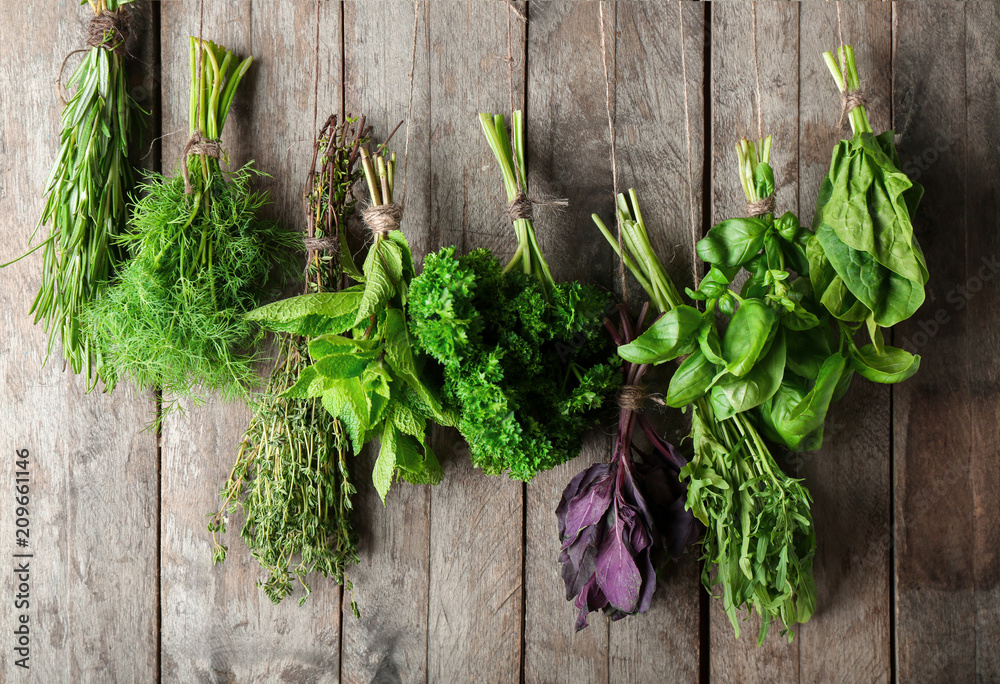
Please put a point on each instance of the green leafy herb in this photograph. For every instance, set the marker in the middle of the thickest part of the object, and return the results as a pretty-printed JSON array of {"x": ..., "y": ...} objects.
[
  {"x": 85, "y": 194},
  {"x": 201, "y": 258},
  {"x": 760, "y": 539},
  {"x": 291, "y": 479},
  {"x": 365, "y": 370},
  {"x": 525, "y": 361}
]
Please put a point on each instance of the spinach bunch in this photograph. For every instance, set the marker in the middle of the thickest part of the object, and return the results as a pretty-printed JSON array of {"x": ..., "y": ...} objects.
[
  {"x": 865, "y": 264},
  {"x": 365, "y": 370},
  {"x": 200, "y": 258},
  {"x": 760, "y": 539},
  {"x": 524, "y": 361}
]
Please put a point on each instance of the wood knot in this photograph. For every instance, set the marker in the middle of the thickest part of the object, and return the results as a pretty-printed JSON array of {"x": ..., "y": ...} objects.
[
  {"x": 761, "y": 207},
  {"x": 109, "y": 30},
  {"x": 382, "y": 218}
]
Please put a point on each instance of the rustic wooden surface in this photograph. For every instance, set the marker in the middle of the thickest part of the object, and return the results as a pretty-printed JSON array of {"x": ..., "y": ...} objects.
[{"x": 459, "y": 582}]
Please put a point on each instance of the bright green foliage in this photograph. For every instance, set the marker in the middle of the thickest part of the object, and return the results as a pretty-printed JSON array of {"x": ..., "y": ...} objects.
[
  {"x": 526, "y": 373},
  {"x": 85, "y": 201},
  {"x": 866, "y": 263},
  {"x": 291, "y": 478},
  {"x": 200, "y": 259},
  {"x": 760, "y": 539},
  {"x": 292, "y": 483}
]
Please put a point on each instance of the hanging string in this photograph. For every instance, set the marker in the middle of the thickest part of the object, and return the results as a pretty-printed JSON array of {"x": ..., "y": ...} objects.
[
  {"x": 756, "y": 68},
  {"x": 614, "y": 160},
  {"x": 409, "y": 103},
  {"x": 687, "y": 132},
  {"x": 316, "y": 73}
]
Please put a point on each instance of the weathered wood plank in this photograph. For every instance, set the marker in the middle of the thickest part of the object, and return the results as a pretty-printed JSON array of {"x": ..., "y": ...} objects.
[
  {"x": 934, "y": 459},
  {"x": 567, "y": 157},
  {"x": 93, "y": 490},
  {"x": 389, "y": 642},
  {"x": 734, "y": 115},
  {"x": 664, "y": 644},
  {"x": 474, "y": 630},
  {"x": 982, "y": 60},
  {"x": 217, "y": 626},
  {"x": 848, "y": 639}
]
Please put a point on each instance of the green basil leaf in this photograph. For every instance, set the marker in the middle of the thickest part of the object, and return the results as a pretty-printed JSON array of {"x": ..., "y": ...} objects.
[
  {"x": 750, "y": 329},
  {"x": 759, "y": 384},
  {"x": 796, "y": 417},
  {"x": 692, "y": 379},
  {"x": 891, "y": 366},
  {"x": 733, "y": 242},
  {"x": 787, "y": 226},
  {"x": 763, "y": 180},
  {"x": 670, "y": 336},
  {"x": 708, "y": 341}
]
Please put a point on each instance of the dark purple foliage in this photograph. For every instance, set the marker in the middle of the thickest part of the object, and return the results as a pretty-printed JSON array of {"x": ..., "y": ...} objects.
[{"x": 616, "y": 518}]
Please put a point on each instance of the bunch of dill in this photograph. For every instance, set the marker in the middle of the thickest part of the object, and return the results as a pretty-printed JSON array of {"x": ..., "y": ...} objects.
[{"x": 200, "y": 258}]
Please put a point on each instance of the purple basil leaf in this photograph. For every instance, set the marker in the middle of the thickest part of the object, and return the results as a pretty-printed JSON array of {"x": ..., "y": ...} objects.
[
  {"x": 578, "y": 561},
  {"x": 648, "y": 572},
  {"x": 580, "y": 481},
  {"x": 616, "y": 572},
  {"x": 588, "y": 507},
  {"x": 590, "y": 598}
]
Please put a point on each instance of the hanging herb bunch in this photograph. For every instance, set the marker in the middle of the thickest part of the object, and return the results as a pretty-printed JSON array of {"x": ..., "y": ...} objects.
[
  {"x": 201, "y": 258},
  {"x": 525, "y": 361},
  {"x": 865, "y": 263},
  {"x": 760, "y": 540},
  {"x": 365, "y": 369},
  {"x": 85, "y": 194},
  {"x": 291, "y": 479},
  {"x": 618, "y": 520}
]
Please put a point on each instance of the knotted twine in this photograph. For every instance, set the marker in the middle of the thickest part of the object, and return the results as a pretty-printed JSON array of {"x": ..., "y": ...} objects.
[
  {"x": 198, "y": 144},
  {"x": 101, "y": 30},
  {"x": 761, "y": 207},
  {"x": 381, "y": 219},
  {"x": 633, "y": 397}
]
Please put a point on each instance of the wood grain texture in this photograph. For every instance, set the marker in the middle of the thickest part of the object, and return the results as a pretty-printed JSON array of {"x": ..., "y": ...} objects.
[
  {"x": 934, "y": 457},
  {"x": 848, "y": 639},
  {"x": 475, "y": 618},
  {"x": 92, "y": 509},
  {"x": 389, "y": 642},
  {"x": 982, "y": 22},
  {"x": 216, "y": 625},
  {"x": 567, "y": 157},
  {"x": 664, "y": 644},
  {"x": 734, "y": 115}
]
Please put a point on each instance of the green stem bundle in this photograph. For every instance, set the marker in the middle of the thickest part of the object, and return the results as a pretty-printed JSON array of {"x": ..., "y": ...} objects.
[
  {"x": 201, "y": 258},
  {"x": 85, "y": 194}
]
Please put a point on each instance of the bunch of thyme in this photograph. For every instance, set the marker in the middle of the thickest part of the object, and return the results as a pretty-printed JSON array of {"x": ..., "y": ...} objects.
[{"x": 291, "y": 477}]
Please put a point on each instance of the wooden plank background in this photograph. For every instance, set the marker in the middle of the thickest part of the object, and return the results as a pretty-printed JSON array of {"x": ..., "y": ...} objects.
[{"x": 459, "y": 583}]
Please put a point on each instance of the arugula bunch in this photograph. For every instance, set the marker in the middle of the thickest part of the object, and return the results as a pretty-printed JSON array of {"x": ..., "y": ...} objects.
[
  {"x": 291, "y": 478},
  {"x": 760, "y": 539},
  {"x": 524, "y": 361},
  {"x": 365, "y": 370},
  {"x": 85, "y": 194},
  {"x": 201, "y": 258},
  {"x": 865, "y": 263}
]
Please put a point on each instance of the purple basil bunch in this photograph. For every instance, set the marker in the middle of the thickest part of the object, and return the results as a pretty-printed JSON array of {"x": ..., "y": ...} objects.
[{"x": 617, "y": 519}]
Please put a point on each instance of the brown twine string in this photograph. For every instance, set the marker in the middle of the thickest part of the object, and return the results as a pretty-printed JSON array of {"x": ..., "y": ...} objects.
[
  {"x": 614, "y": 160},
  {"x": 383, "y": 218},
  {"x": 687, "y": 132},
  {"x": 198, "y": 144},
  {"x": 520, "y": 208},
  {"x": 326, "y": 244},
  {"x": 633, "y": 398},
  {"x": 849, "y": 101},
  {"x": 761, "y": 207},
  {"x": 409, "y": 104},
  {"x": 756, "y": 68},
  {"x": 114, "y": 23}
]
